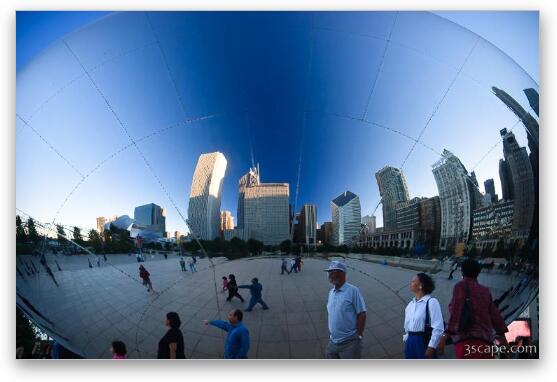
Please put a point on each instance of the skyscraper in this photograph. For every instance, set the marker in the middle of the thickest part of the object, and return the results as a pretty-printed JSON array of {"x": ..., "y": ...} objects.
[
  {"x": 101, "y": 221},
  {"x": 489, "y": 186},
  {"x": 533, "y": 100},
  {"x": 347, "y": 216},
  {"x": 151, "y": 217},
  {"x": 522, "y": 184},
  {"x": 506, "y": 180},
  {"x": 266, "y": 212},
  {"x": 248, "y": 180},
  {"x": 307, "y": 222},
  {"x": 393, "y": 189},
  {"x": 205, "y": 196},
  {"x": 226, "y": 220},
  {"x": 458, "y": 196},
  {"x": 370, "y": 222}
]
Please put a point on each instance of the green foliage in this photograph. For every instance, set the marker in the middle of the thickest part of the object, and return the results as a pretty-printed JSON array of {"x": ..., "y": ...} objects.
[
  {"x": 255, "y": 247},
  {"x": 61, "y": 235},
  {"x": 286, "y": 246},
  {"x": 95, "y": 241},
  {"x": 20, "y": 234},
  {"x": 32, "y": 231},
  {"x": 77, "y": 235}
]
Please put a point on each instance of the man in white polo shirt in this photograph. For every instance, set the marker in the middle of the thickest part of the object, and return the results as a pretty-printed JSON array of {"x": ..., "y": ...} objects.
[{"x": 346, "y": 315}]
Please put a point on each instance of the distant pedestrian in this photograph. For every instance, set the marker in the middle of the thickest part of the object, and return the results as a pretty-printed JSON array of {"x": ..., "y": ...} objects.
[
  {"x": 454, "y": 267},
  {"x": 346, "y": 315},
  {"x": 118, "y": 350},
  {"x": 194, "y": 258},
  {"x": 474, "y": 317},
  {"x": 145, "y": 276},
  {"x": 237, "y": 340},
  {"x": 98, "y": 261},
  {"x": 183, "y": 264},
  {"x": 293, "y": 266},
  {"x": 233, "y": 288},
  {"x": 191, "y": 264},
  {"x": 165, "y": 256},
  {"x": 298, "y": 262},
  {"x": 224, "y": 283},
  {"x": 284, "y": 266},
  {"x": 423, "y": 320},
  {"x": 138, "y": 257},
  {"x": 171, "y": 345},
  {"x": 255, "y": 290}
]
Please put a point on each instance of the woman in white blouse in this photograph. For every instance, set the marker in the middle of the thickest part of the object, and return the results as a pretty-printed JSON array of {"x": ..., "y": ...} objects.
[{"x": 423, "y": 320}]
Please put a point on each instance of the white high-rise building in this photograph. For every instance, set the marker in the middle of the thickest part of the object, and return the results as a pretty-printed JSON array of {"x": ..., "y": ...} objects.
[
  {"x": 370, "y": 222},
  {"x": 459, "y": 196},
  {"x": 205, "y": 197},
  {"x": 347, "y": 216}
]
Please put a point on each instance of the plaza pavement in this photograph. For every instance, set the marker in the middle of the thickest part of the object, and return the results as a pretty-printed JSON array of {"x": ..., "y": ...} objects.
[{"x": 93, "y": 307}]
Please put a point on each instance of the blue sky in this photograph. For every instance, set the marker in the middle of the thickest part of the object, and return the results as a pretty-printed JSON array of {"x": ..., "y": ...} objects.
[{"x": 253, "y": 75}]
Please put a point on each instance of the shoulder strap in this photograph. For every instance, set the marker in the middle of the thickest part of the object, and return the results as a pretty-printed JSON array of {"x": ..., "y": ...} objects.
[{"x": 427, "y": 316}]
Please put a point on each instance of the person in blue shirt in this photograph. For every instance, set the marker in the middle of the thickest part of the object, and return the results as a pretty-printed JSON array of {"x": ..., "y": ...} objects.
[
  {"x": 346, "y": 315},
  {"x": 255, "y": 289},
  {"x": 237, "y": 340}
]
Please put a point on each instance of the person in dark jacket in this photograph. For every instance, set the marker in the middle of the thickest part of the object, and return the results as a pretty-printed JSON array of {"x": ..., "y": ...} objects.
[
  {"x": 233, "y": 288},
  {"x": 255, "y": 290},
  {"x": 237, "y": 340},
  {"x": 144, "y": 274},
  {"x": 171, "y": 345},
  {"x": 474, "y": 337}
]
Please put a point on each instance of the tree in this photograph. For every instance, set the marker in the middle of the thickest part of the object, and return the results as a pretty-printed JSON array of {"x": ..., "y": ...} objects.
[
  {"x": 61, "y": 235},
  {"x": 77, "y": 235},
  {"x": 255, "y": 247},
  {"x": 20, "y": 234},
  {"x": 95, "y": 240},
  {"x": 285, "y": 246},
  {"x": 32, "y": 231}
]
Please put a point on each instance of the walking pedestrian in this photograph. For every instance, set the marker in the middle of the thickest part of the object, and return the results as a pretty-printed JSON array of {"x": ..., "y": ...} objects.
[
  {"x": 454, "y": 267},
  {"x": 233, "y": 288},
  {"x": 183, "y": 264},
  {"x": 284, "y": 266},
  {"x": 171, "y": 345},
  {"x": 224, "y": 283},
  {"x": 474, "y": 317},
  {"x": 237, "y": 340},
  {"x": 98, "y": 261},
  {"x": 118, "y": 350},
  {"x": 299, "y": 262},
  {"x": 191, "y": 264},
  {"x": 423, "y": 320},
  {"x": 145, "y": 276},
  {"x": 255, "y": 290},
  {"x": 346, "y": 315},
  {"x": 293, "y": 266}
]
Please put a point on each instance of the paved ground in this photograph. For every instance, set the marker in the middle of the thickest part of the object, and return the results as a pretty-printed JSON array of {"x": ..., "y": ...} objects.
[{"x": 92, "y": 307}]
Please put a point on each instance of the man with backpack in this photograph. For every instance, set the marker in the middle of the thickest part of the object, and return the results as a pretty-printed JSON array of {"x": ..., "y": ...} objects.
[{"x": 473, "y": 316}]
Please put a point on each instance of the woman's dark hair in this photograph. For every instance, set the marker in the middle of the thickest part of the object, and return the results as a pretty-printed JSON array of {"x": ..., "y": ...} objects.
[
  {"x": 254, "y": 280},
  {"x": 119, "y": 348},
  {"x": 224, "y": 277},
  {"x": 428, "y": 285},
  {"x": 239, "y": 314},
  {"x": 173, "y": 320},
  {"x": 471, "y": 268},
  {"x": 232, "y": 277}
]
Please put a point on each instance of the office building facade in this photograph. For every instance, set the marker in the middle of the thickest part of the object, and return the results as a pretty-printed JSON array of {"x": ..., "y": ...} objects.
[{"x": 347, "y": 216}]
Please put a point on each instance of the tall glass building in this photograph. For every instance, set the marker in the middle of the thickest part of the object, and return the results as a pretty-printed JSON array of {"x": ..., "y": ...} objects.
[
  {"x": 347, "y": 217},
  {"x": 393, "y": 189},
  {"x": 204, "y": 217},
  {"x": 151, "y": 217}
]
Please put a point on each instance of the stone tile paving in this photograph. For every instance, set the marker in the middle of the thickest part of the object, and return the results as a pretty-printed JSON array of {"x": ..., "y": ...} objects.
[{"x": 93, "y": 306}]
